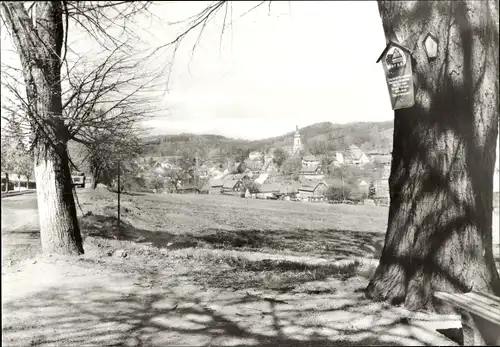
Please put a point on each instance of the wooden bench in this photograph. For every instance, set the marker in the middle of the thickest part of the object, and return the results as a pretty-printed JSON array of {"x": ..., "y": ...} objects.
[{"x": 480, "y": 316}]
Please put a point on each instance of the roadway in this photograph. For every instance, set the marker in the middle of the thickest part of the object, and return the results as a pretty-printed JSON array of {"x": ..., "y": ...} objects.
[
  {"x": 19, "y": 213},
  {"x": 20, "y": 224}
]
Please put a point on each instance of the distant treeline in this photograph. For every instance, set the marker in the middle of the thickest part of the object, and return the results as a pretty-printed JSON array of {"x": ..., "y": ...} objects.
[{"x": 319, "y": 138}]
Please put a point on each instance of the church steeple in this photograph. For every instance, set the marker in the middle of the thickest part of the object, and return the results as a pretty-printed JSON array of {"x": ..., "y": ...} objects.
[{"x": 297, "y": 143}]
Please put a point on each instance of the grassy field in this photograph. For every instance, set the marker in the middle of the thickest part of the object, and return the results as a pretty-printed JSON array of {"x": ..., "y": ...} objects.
[
  {"x": 208, "y": 270},
  {"x": 180, "y": 221},
  {"x": 273, "y": 244}
]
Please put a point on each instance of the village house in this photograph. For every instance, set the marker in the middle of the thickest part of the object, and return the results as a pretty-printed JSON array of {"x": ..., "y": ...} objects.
[
  {"x": 234, "y": 176},
  {"x": 270, "y": 168},
  {"x": 254, "y": 165},
  {"x": 262, "y": 178},
  {"x": 214, "y": 186},
  {"x": 337, "y": 158},
  {"x": 247, "y": 174},
  {"x": 203, "y": 171},
  {"x": 310, "y": 160},
  {"x": 255, "y": 156},
  {"x": 233, "y": 187},
  {"x": 354, "y": 155},
  {"x": 335, "y": 163},
  {"x": 311, "y": 168},
  {"x": 313, "y": 192},
  {"x": 289, "y": 189},
  {"x": 216, "y": 173},
  {"x": 311, "y": 172},
  {"x": 268, "y": 191}
]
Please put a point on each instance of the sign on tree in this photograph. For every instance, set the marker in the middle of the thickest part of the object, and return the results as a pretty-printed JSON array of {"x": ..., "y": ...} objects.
[{"x": 396, "y": 60}]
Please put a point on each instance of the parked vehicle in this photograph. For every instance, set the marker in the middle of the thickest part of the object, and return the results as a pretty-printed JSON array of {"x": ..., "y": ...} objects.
[{"x": 78, "y": 179}]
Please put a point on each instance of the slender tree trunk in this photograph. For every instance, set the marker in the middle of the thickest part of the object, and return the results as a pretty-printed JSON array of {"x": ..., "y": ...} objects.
[
  {"x": 40, "y": 48},
  {"x": 439, "y": 234},
  {"x": 118, "y": 191},
  {"x": 6, "y": 182}
]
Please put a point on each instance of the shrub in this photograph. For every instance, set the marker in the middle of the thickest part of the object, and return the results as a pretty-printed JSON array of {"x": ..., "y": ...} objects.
[
  {"x": 371, "y": 191},
  {"x": 338, "y": 193}
]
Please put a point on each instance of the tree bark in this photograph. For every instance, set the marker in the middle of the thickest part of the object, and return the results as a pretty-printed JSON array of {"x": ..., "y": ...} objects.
[
  {"x": 39, "y": 49},
  {"x": 439, "y": 234},
  {"x": 59, "y": 229},
  {"x": 6, "y": 182}
]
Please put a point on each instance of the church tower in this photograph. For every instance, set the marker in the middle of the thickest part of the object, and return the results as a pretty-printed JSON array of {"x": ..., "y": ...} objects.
[{"x": 297, "y": 144}]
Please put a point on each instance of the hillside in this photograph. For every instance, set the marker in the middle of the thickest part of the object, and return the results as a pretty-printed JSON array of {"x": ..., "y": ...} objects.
[{"x": 317, "y": 138}]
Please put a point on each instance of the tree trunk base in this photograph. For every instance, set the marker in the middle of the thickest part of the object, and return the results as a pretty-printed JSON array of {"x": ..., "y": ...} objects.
[
  {"x": 59, "y": 228},
  {"x": 387, "y": 285}
]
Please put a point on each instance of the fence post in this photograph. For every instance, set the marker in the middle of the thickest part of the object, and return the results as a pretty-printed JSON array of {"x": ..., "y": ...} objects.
[{"x": 118, "y": 197}]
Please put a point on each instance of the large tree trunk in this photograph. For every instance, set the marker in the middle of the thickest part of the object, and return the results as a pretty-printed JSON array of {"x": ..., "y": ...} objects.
[
  {"x": 439, "y": 234},
  {"x": 39, "y": 48}
]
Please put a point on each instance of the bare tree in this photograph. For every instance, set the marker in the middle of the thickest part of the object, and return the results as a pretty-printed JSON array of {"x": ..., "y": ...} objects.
[
  {"x": 60, "y": 94},
  {"x": 105, "y": 149},
  {"x": 12, "y": 155}
]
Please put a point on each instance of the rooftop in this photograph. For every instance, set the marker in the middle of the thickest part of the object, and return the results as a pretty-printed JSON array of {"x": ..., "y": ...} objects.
[
  {"x": 269, "y": 188},
  {"x": 310, "y": 158},
  {"x": 230, "y": 184}
]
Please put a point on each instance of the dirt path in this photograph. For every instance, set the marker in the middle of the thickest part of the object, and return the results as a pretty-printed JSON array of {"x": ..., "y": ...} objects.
[
  {"x": 95, "y": 302},
  {"x": 189, "y": 296}
]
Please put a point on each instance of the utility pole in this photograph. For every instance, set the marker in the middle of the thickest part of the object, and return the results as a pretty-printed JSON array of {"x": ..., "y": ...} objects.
[
  {"x": 118, "y": 226},
  {"x": 343, "y": 194}
]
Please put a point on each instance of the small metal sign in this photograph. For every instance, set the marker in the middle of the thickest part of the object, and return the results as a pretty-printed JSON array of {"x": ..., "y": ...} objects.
[{"x": 396, "y": 61}]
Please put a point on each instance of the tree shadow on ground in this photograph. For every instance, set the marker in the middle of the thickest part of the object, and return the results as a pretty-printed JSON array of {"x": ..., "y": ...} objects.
[
  {"x": 334, "y": 244},
  {"x": 173, "y": 313}
]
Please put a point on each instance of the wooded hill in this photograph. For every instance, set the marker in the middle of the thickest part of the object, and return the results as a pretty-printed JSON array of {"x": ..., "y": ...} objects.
[{"x": 318, "y": 138}]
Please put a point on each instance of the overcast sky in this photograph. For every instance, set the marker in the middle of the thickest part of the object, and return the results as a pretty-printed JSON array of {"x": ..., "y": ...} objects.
[{"x": 297, "y": 64}]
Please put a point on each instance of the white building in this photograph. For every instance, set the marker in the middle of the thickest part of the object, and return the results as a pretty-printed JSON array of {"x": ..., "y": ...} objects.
[
  {"x": 297, "y": 143},
  {"x": 310, "y": 160},
  {"x": 255, "y": 155},
  {"x": 339, "y": 157}
]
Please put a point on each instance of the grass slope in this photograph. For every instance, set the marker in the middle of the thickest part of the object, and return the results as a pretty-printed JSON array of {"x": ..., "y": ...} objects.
[{"x": 208, "y": 270}]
